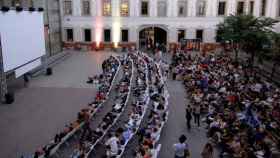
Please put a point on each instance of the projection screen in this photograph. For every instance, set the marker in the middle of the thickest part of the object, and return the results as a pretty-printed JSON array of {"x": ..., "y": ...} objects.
[{"x": 22, "y": 39}]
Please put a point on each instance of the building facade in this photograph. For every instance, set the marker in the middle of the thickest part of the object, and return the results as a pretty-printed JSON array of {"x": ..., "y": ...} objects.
[
  {"x": 52, "y": 20},
  {"x": 109, "y": 23}
]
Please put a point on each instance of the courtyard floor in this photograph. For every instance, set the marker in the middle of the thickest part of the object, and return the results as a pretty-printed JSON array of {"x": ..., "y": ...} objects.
[{"x": 41, "y": 110}]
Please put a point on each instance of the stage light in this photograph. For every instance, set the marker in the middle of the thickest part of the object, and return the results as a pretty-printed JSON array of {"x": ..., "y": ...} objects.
[
  {"x": 31, "y": 9},
  {"x": 5, "y": 9},
  {"x": 19, "y": 9}
]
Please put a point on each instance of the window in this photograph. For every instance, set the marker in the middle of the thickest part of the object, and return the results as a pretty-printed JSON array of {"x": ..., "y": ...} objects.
[
  {"x": 124, "y": 8},
  {"x": 87, "y": 35},
  {"x": 182, "y": 8},
  {"x": 161, "y": 8},
  {"x": 251, "y": 7},
  {"x": 263, "y": 8},
  {"x": 240, "y": 8},
  {"x": 181, "y": 35},
  {"x": 222, "y": 8},
  {"x": 125, "y": 35},
  {"x": 201, "y": 4},
  {"x": 69, "y": 35},
  {"x": 86, "y": 7},
  {"x": 144, "y": 8},
  {"x": 67, "y": 7},
  {"x": 199, "y": 35},
  {"x": 107, "y": 8},
  {"x": 107, "y": 35}
]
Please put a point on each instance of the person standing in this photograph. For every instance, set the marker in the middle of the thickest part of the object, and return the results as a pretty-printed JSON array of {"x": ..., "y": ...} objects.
[
  {"x": 196, "y": 113},
  {"x": 207, "y": 151},
  {"x": 181, "y": 149},
  {"x": 189, "y": 116}
]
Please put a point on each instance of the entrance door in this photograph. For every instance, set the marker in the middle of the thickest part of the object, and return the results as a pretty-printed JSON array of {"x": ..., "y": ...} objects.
[{"x": 150, "y": 37}]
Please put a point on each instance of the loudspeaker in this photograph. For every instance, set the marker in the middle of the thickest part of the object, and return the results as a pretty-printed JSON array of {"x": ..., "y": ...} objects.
[
  {"x": 40, "y": 9},
  {"x": 9, "y": 98},
  {"x": 5, "y": 9},
  {"x": 49, "y": 71},
  {"x": 31, "y": 9},
  {"x": 19, "y": 9}
]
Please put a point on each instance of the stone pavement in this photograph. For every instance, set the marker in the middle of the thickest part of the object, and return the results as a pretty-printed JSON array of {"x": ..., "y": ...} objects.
[
  {"x": 50, "y": 102},
  {"x": 176, "y": 124}
]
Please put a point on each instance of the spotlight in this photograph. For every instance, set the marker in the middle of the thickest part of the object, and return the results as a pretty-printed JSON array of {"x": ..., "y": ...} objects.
[
  {"x": 5, "y": 9},
  {"x": 19, "y": 9},
  {"x": 40, "y": 9},
  {"x": 31, "y": 9}
]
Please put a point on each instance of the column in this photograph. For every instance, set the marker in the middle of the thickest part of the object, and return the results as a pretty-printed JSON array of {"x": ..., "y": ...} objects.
[
  {"x": 172, "y": 35},
  {"x": 153, "y": 8},
  {"x": 3, "y": 81},
  {"x": 192, "y": 8},
  {"x": 76, "y": 5},
  {"x": 172, "y": 8},
  {"x": 209, "y": 35},
  {"x": 99, "y": 8},
  {"x": 257, "y": 8},
  {"x": 93, "y": 8},
  {"x": 191, "y": 33}
]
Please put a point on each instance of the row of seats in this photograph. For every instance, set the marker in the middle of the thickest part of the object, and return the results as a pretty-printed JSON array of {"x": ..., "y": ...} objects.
[
  {"x": 109, "y": 73},
  {"x": 150, "y": 134},
  {"x": 90, "y": 138},
  {"x": 116, "y": 143}
]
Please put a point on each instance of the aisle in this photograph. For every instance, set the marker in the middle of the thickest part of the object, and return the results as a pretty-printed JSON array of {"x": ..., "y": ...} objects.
[{"x": 176, "y": 124}]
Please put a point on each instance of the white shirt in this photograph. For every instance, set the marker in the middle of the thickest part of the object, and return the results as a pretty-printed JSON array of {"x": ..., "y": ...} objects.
[{"x": 113, "y": 143}]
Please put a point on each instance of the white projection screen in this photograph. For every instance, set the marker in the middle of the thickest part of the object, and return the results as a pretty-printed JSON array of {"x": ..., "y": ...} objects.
[{"x": 22, "y": 39}]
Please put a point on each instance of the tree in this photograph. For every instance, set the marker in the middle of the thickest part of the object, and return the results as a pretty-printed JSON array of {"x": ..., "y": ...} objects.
[
  {"x": 275, "y": 52},
  {"x": 247, "y": 33}
]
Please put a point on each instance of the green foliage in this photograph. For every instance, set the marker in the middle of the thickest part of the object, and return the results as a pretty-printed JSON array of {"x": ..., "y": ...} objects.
[{"x": 253, "y": 35}]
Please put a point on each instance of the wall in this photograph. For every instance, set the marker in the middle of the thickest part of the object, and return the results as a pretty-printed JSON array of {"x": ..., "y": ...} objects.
[{"x": 171, "y": 23}]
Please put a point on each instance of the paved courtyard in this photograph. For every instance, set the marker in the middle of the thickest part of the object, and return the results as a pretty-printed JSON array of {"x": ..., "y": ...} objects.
[{"x": 49, "y": 102}]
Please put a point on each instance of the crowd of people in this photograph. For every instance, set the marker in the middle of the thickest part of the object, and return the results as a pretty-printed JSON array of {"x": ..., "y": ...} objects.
[
  {"x": 117, "y": 142},
  {"x": 105, "y": 81},
  {"x": 242, "y": 111},
  {"x": 90, "y": 137},
  {"x": 150, "y": 133}
]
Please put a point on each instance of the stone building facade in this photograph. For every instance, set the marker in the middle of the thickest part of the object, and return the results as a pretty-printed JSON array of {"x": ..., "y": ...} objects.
[{"x": 109, "y": 23}]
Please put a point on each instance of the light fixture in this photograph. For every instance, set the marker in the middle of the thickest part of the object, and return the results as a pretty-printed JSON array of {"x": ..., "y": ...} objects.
[
  {"x": 5, "y": 9},
  {"x": 19, "y": 9}
]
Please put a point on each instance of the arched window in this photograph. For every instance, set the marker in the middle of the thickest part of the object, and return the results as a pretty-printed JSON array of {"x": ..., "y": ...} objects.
[
  {"x": 124, "y": 8},
  {"x": 182, "y": 8},
  {"x": 107, "y": 7},
  {"x": 162, "y": 8},
  {"x": 201, "y": 8}
]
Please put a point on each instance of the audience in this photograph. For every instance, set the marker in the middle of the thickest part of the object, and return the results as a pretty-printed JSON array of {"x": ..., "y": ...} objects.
[
  {"x": 241, "y": 109},
  {"x": 104, "y": 81}
]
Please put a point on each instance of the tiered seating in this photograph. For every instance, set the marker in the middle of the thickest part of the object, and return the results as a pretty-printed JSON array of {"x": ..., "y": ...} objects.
[
  {"x": 92, "y": 138},
  {"x": 141, "y": 92},
  {"x": 242, "y": 109},
  {"x": 109, "y": 73},
  {"x": 150, "y": 135}
]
